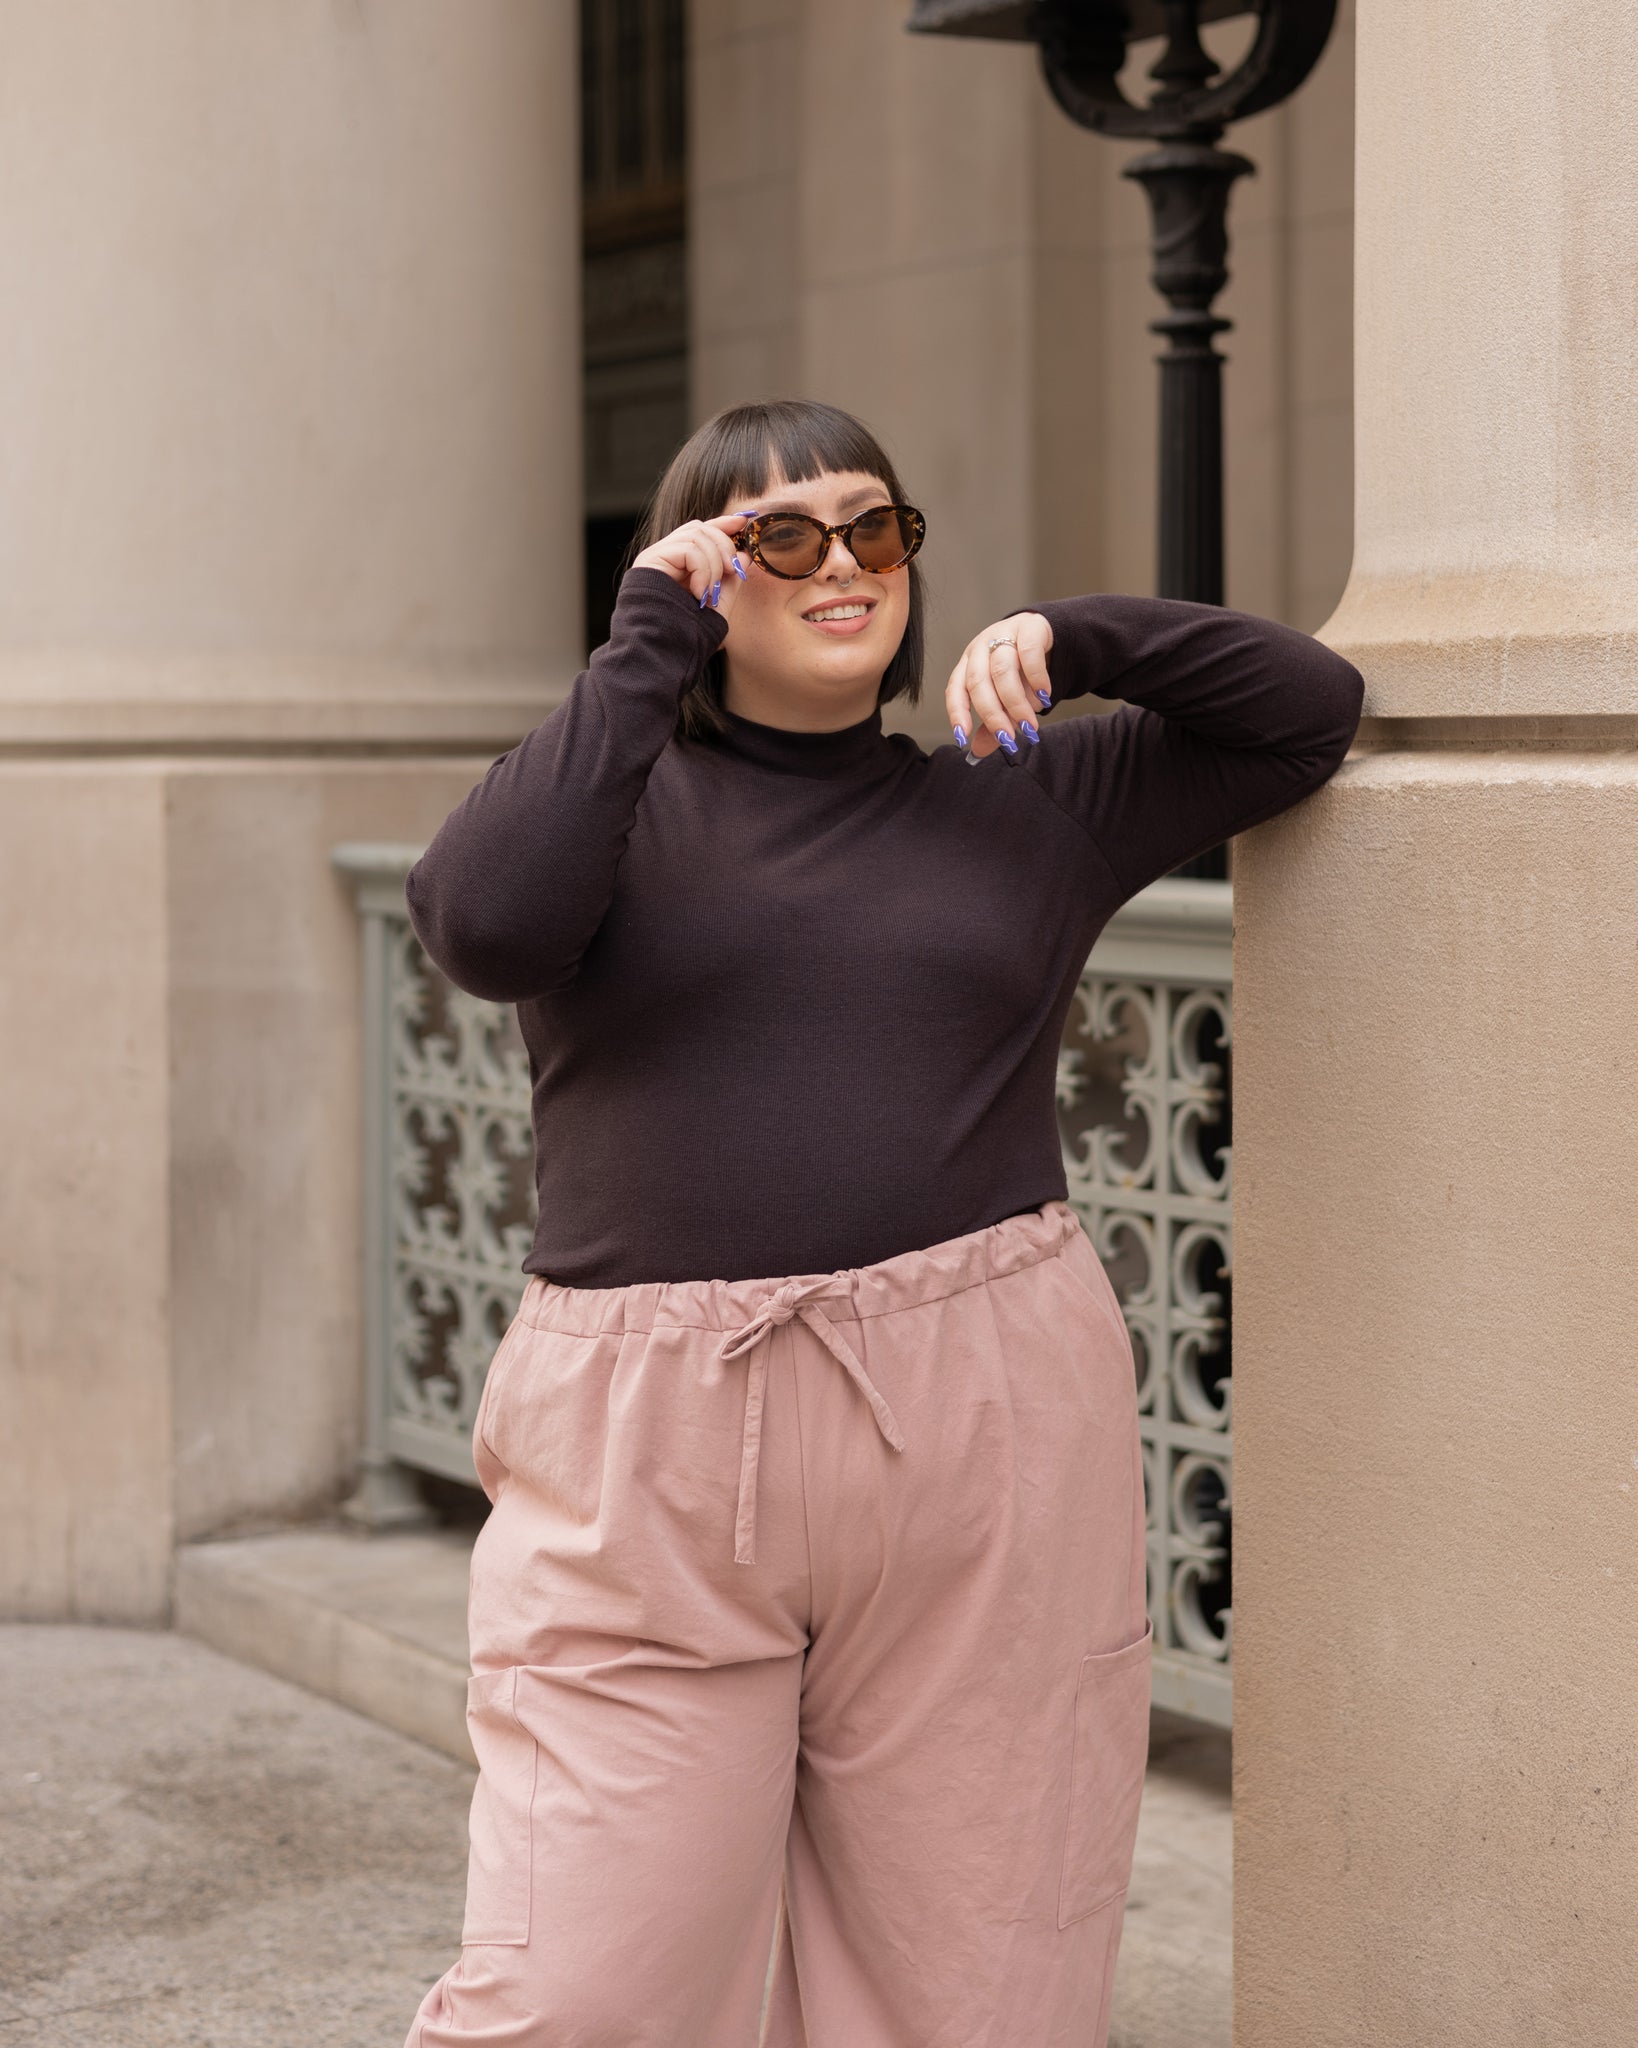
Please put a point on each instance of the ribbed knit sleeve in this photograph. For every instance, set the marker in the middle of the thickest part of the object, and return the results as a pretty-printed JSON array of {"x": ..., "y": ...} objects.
[
  {"x": 520, "y": 875},
  {"x": 1227, "y": 719}
]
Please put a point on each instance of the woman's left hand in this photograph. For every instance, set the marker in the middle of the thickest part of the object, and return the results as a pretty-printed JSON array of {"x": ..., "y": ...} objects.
[{"x": 995, "y": 695}]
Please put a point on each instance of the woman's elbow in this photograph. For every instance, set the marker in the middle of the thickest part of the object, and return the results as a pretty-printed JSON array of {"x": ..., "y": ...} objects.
[
  {"x": 1337, "y": 692},
  {"x": 1332, "y": 705},
  {"x": 489, "y": 974},
  {"x": 484, "y": 957}
]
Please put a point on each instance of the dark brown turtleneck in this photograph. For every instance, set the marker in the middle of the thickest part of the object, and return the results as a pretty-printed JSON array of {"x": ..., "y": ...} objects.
[{"x": 793, "y": 1000}]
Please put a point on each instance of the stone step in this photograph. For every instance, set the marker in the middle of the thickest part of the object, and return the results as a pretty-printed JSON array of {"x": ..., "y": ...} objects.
[{"x": 376, "y": 1622}]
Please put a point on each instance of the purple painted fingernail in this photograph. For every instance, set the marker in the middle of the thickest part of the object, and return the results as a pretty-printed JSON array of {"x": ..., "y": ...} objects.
[
  {"x": 704, "y": 601},
  {"x": 716, "y": 590},
  {"x": 739, "y": 569},
  {"x": 1007, "y": 742},
  {"x": 960, "y": 737},
  {"x": 1045, "y": 697},
  {"x": 1027, "y": 727}
]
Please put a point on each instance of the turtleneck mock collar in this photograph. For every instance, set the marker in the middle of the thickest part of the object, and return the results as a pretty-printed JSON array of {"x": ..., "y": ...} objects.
[{"x": 850, "y": 750}]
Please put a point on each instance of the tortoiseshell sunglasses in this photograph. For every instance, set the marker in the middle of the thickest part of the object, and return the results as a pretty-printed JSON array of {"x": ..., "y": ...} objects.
[{"x": 793, "y": 544}]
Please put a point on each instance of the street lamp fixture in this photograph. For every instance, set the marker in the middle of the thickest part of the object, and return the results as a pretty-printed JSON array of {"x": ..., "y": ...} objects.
[{"x": 1187, "y": 177}]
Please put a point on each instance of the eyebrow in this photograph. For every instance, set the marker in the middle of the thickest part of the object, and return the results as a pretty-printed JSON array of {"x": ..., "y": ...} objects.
[{"x": 870, "y": 495}]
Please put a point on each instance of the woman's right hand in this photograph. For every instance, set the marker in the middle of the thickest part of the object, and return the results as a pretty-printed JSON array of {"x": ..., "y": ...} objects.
[{"x": 701, "y": 555}]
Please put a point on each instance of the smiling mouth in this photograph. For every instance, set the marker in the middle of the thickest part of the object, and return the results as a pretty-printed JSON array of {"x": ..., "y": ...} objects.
[{"x": 841, "y": 612}]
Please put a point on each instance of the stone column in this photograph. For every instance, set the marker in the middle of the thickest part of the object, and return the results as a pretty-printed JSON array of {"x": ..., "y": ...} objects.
[
  {"x": 1436, "y": 1399},
  {"x": 289, "y": 399}
]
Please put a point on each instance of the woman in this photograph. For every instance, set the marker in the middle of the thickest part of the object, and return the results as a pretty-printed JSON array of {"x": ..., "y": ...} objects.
[{"x": 809, "y": 1619}]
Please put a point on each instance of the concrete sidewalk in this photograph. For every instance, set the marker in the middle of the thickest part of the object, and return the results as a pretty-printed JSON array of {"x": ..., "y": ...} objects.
[{"x": 200, "y": 1855}]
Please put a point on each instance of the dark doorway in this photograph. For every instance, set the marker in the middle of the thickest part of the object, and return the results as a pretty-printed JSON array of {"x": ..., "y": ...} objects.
[
  {"x": 634, "y": 271},
  {"x": 607, "y": 540}
]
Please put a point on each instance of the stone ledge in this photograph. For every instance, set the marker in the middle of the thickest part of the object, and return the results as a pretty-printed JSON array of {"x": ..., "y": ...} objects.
[{"x": 376, "y": 1623}]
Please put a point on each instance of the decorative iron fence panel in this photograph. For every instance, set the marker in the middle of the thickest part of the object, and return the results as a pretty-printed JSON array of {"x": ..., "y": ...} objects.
[{"x": 1144, "y": 1105}]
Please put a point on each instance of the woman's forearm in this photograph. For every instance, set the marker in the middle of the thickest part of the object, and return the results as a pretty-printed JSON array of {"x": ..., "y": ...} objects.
[
  {"x": 1227, "y": 720},
  {"x": 520, "y": 875},
  {"x": 1230, "y": 676}
]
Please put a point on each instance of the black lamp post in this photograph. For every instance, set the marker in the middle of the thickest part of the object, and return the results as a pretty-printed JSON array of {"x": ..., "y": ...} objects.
[{"x": 1187, "y": 178}]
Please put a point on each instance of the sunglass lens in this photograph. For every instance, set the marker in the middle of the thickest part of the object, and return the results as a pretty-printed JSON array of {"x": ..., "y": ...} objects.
[
  {"x": 882, "y": 538},
  {"x": 791, "y": 544}
]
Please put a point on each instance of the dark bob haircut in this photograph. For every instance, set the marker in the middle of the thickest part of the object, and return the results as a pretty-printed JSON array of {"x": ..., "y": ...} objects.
[{"x": 729, "y": 460}]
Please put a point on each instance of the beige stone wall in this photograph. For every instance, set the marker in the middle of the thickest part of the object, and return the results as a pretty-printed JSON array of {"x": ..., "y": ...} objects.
[
  {"x": 1436, "y": 1111},
  {"x": 291, "y": 548},
  {"x": 85, "y": 1090},
  {"x": 180, "y": 1022},
  {"x": 918, "y": 233}
]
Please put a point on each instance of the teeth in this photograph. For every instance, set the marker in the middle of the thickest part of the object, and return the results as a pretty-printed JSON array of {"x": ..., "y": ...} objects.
[{"x": 839, "y": 611}]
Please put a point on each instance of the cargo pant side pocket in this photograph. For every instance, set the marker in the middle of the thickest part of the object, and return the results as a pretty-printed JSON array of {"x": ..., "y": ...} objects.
[
  {"x": 500, "y": 1873},
  {"x": 1111, "y": 1748},
  {"x": 487, "y": 1462}
]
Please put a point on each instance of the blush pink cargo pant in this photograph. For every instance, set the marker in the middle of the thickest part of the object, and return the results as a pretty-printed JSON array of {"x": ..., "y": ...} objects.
[{"x": 808, "y": 1627}]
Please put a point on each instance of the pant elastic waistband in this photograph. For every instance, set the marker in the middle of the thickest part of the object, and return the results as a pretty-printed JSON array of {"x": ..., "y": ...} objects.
[{"x": 851, "y": 1293}]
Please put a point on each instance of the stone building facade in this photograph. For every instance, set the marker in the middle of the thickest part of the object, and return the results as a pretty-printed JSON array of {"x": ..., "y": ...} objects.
[{"x": 328, "y": 353}]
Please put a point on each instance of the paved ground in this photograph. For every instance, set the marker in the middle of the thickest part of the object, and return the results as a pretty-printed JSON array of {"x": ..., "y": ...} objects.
[{"x": 197, "y": 1855}]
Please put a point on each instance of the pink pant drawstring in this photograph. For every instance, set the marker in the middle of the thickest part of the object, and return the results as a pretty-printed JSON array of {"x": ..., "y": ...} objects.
[{"x": 786, "y": 1302}]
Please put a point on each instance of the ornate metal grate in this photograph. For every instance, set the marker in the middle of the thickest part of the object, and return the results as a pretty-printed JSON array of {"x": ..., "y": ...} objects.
[{"x": 1144, "y": 1103}]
